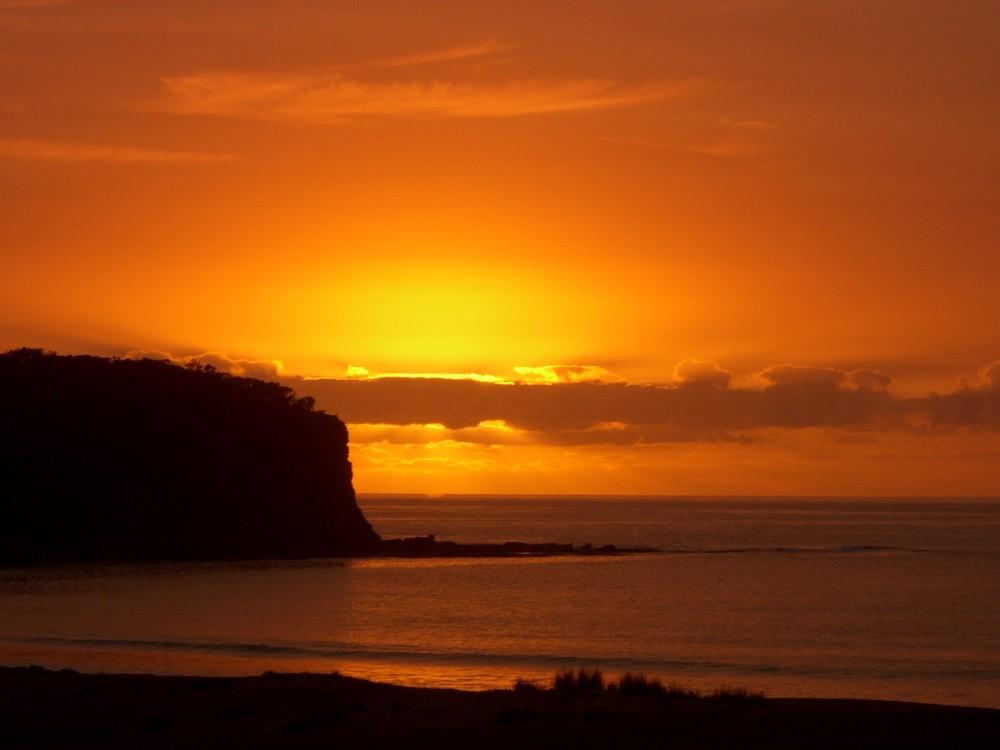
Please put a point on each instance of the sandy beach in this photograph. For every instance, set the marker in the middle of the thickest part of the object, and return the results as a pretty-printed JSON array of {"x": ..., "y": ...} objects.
[{"x": 40, "y": 708}]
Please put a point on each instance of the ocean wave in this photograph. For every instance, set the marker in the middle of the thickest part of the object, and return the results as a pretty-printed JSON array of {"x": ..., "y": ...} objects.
[
  {"x": 891, "y": 669},
  {"x": 360, "y": 652}
]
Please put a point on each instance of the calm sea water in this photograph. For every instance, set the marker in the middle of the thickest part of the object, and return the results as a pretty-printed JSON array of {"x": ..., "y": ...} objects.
[{"x": 796, "y": 597}]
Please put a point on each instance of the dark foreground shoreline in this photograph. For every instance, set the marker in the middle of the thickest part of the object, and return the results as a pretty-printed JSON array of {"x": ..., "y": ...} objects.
[{"x": 45, "y": 709}]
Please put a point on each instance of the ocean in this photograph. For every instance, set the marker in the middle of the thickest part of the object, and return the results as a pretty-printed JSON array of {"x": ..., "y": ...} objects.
[{"x": 821, "y": 597}]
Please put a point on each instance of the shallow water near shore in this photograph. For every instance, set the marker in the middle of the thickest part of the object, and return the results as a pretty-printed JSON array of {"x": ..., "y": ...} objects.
[{"x": 895, "y": 600}]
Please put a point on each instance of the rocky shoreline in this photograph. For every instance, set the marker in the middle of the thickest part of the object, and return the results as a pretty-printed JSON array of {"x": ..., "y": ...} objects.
[{"x": 429, "y": 546}]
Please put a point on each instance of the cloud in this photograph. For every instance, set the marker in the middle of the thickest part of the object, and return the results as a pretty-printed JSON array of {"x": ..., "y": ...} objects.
[
  {"x": 990, "y": 376},
  {"x": 741, "y": 139},
  {"x": 869, "y": 380},
  {"x": 262, "y": 369},
  {"x": 702, "y": 407},
  {"x": 356, "y": 371},
  {"x": 779, "y": 376},
  {"x": 333, "y": 97},
  {"x": 752, "y": 140},
  {"x": 987, "y": 378},
  {"x": 490, "y": 434},
  {"x": 462, "y": 52},
  {"x": 4, "y": 4},
  {"x": 754, "y": 126},
  {"x": 59, "y": 151},
  {"x": 153, "y": 354},
  {"x": 485, "y": 433},
  {"x": 601, "y": 413},
  {"x": 562, "y": 374},
  {"x": 410, "y": 460},
  {"x": 728, "y": 6},
  {"x": 695, "y": 371},
  {"x": 362, "y": 373},
  {"x": 797, "y": 375}
]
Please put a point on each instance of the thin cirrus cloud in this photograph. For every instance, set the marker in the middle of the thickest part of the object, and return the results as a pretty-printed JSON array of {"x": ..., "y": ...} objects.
[
  {"x": 730, "y": 139},
  {"x": 14, "y": 4},
  {"x": 721, "y": 7},
  {"x": 453, "y": 54},
  {"x": 334, "y": 97},
  {"x": 62, "y": 151},
  {"x": 741, "y": 139}
]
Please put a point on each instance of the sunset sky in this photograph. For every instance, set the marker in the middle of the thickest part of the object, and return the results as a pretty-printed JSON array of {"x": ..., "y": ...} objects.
[{"x": 646, "y": 246}]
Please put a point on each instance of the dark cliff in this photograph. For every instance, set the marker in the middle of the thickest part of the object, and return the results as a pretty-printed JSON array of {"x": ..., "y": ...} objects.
[{"x": 107, "y": 459}]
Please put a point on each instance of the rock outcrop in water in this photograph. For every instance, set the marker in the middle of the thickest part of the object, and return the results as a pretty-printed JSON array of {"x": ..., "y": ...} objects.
[{"x": 109, "y": 459}]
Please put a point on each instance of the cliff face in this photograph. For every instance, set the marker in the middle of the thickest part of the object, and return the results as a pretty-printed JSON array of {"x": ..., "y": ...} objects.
[{"x": 144, "y": 460}]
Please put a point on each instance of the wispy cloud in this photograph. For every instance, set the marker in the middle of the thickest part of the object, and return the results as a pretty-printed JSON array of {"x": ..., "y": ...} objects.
[
  {"x": 453, "y": 54},
  {"x": 722, "y": 7},
  {"x": 334, "y": 97},
  {"x": 29, "y": 148},
  {"x": 4, "y": 4},
  {"x": 741, "y": 138},
  {"x": 727, "y": 139}
]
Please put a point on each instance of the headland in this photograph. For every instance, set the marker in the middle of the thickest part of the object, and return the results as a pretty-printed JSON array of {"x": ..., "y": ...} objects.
[{"x": 118, "y": 460}]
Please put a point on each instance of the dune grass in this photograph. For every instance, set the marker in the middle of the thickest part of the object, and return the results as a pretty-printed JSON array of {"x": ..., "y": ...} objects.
[
  {"x": 632, "y": 684},
  {"x": 580, "y": 681},
  {"x": 741, "y": 694}
]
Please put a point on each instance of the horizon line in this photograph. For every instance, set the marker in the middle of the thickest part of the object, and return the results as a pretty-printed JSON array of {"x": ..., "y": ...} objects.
[{"x": 640, "y": 496}]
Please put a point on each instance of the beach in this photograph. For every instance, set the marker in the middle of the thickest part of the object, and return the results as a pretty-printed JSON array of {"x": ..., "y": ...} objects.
[
  {"x": 42, "y": 708},
  {"x": 873, "y": 600}
]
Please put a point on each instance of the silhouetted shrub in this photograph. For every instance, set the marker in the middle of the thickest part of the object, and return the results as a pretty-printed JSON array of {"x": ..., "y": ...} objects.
[
  {"x": 637, "y": 684},
  {"x": 679, "y": 691},
  {"x": 631, "y": 684},
  {"x": 737, "y": 694},
  {"x": 522, "y": 685},
  {"x": 580, "y": 681}
]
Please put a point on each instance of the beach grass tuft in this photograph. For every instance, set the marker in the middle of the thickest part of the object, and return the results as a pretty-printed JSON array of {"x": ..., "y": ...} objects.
[
  {"x": 640, "y": 684},
  {"x": 522, "y": 685},
  {"x": 737, "y": 694},
  {"x": 580, "y": 681},
  {"x": 632, "y": 684}
]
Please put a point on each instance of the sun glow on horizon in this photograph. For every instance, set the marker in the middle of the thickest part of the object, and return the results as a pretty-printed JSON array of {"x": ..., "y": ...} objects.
[
  {"x": 355, "y": 372},
  {"x": 438, "y": 318},
  {"x": 518, "y": 225}
]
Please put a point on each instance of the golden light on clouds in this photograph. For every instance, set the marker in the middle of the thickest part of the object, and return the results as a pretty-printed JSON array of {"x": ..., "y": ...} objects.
[
  {"x": 657, "y": 247},
  {"x": 562, "y": 373}
]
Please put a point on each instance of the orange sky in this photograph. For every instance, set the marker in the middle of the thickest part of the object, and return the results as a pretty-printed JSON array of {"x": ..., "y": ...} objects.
[{"x": 464, "y": 187}]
